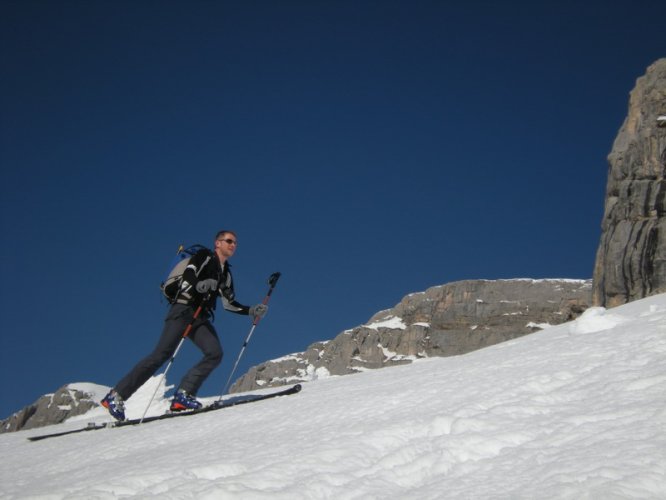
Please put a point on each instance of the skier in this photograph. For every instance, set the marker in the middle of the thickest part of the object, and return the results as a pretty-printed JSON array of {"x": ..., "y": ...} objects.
[{"x": 206, "y": 276}]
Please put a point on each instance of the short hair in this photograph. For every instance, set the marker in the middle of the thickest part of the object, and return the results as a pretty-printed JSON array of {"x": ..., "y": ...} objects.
[{"x": 223, "y": 232}]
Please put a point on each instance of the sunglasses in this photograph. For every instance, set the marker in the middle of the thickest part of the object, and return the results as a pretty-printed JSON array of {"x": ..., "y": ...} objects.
[{"x": 229, "y": 241}]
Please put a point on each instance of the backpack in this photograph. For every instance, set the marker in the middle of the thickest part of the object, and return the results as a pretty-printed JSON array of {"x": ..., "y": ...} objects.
[{"x": 171, "y": 285}]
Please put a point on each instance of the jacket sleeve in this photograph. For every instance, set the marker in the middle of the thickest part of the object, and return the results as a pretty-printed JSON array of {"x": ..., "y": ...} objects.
[{"x": 228, "y": 297}]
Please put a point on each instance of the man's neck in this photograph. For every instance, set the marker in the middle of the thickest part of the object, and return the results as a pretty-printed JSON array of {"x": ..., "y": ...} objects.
[{"x": 220, "y": 257}]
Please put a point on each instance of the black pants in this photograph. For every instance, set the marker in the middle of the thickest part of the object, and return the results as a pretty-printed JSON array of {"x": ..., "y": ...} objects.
[{"x": 202, "y": 334}]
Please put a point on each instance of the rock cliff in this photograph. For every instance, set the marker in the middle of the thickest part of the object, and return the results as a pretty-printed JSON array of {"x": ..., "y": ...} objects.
[
  {"x": 68, "y": 401},
  {"x": 442, "y": 321},
  {"x": 631, "y": 259}
]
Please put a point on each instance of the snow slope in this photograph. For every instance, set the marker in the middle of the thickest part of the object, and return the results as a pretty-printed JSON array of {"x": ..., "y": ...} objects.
[{"x": 576, "y": 411}]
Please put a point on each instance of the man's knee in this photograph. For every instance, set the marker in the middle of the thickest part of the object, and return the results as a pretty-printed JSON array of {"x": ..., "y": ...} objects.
[{"x": 216, "y": 356}]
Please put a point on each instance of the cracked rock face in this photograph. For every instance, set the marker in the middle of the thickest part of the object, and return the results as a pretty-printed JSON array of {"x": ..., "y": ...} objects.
[
  {"x": 631, "y": 259},
  {"x": 445, "y": 320},
  {"x": 68, "y": 401}
]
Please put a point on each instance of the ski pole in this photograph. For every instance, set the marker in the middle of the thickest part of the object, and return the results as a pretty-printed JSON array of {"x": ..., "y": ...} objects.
[
  {"x": 187, "y": 331},
  {"x": 271, "y": 282}
]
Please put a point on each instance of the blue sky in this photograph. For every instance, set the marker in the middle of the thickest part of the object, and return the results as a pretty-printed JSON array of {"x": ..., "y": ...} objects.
[{"x": 364, "y": 149}]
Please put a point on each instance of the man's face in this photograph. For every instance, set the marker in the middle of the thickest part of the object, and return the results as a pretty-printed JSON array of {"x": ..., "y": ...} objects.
[{"x": 226, "y": 244}]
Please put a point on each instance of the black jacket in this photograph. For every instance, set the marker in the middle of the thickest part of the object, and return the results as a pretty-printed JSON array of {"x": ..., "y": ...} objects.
[{"x": 205, "y": 265}]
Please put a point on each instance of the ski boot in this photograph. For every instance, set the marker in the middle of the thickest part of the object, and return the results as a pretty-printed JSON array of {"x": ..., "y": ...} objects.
[
  {"x": 184, "y": 401},
  {"x": 114, "y": 403}
]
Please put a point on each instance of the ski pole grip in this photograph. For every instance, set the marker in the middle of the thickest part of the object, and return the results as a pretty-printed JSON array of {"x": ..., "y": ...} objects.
[{"x": 273, "y": 279}]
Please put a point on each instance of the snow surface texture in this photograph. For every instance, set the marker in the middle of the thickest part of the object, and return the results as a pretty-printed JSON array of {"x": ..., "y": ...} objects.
[{"x": 575, "y": 411}]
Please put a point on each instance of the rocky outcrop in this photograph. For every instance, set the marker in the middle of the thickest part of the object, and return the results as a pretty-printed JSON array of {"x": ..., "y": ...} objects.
[
  {"x": 442, "y": 321},
  {"x": 631, "y": 259},
  {"x": 68, "y": 401}
]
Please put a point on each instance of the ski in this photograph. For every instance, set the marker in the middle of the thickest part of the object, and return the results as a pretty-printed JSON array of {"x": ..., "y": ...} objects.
[{"x": 218, "y": 405}]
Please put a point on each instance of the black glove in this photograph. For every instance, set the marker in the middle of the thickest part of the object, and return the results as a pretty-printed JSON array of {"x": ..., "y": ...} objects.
[
  {"x": 206, "y": 285},
  {"x": 258, "y": 311}
]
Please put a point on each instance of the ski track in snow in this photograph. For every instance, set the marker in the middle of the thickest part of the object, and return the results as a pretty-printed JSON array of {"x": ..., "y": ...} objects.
[{"x": 575, "y": 411}]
